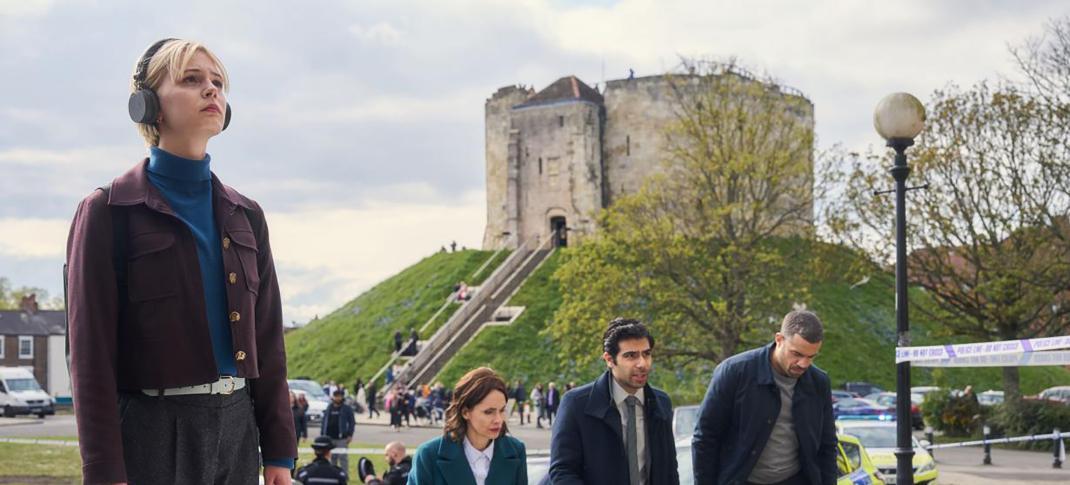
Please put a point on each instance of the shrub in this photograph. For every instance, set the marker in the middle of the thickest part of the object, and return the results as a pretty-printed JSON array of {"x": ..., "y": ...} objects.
[
  {"x": 955, "y": 416},
  {"x": 1030, "y": 416}
]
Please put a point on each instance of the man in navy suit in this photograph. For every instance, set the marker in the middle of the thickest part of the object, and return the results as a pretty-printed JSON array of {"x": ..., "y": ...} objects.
[{"x": 617, "y": 429}]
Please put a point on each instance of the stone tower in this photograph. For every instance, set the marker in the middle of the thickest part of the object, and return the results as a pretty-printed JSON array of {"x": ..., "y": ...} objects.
[{"x": 557, "y": 156}]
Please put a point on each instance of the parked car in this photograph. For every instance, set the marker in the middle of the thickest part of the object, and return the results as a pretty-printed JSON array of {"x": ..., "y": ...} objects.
[
  {"x": 888, "y": 399},
  {"x": 313, "y": 392},
  {"x": 857, "y": 408},
  {"x": 684, "y": 419},
  {"x": 880, "y": 441},
  {"x": 854, "y": 463},
  {"x": 21, "y": 394},
  {"x": 862, "y": 388},
  {"x": 923, "y": 390},
  {"x": 990, "y": 398},
  {"x": 1057, "y": 393},
  {"x": 838, "y": 394}
]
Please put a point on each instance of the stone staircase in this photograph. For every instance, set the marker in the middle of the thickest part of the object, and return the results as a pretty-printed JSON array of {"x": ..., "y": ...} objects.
[{"x": 476, "y": 313}]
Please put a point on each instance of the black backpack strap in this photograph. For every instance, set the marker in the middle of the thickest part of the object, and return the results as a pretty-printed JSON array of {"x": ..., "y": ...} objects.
[{"x": 120, "y": 236}]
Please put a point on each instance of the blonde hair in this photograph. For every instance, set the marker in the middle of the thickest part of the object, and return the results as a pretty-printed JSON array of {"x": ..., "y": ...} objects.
[{"x": 172, "y": 59}]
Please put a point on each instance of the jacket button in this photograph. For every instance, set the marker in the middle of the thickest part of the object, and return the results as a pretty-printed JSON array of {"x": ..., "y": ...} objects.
[
  {"x": 226, "y": 243},
  {"x": 240, "y": 356},
  {"x": 234, "y": 317},
  {"x": 233, "y": 278}
]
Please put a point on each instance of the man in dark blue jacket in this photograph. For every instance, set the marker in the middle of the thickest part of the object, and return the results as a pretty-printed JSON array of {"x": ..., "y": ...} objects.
[
  {"x": 338, "y": 425},
  {"x": 618, "y": 429},
  {"x": 767, "y": 415}
]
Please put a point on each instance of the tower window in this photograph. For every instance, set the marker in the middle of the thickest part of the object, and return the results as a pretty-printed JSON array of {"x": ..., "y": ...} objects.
[
  {"x": 561, "y": 121},
  {"x": 540, "y": 165},
  {"x": 628, "y": 145}
]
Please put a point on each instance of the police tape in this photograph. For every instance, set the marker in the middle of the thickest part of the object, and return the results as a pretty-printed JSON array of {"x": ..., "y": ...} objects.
[
  {"x": 952, "y": 351},
  {"x": 1025, "y": 359},
  {"x": 995, "y": 441}
]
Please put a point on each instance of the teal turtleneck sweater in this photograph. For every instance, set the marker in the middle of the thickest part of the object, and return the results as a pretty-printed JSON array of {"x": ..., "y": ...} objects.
[{"x": 187, "y": 186}]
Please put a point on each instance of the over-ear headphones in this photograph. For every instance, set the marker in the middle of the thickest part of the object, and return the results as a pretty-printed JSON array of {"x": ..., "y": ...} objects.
[{"x": 144, "y": 105}]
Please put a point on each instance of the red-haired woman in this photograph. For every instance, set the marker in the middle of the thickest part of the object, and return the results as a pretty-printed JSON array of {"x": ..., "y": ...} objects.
[{"x": 474, "y": 444}]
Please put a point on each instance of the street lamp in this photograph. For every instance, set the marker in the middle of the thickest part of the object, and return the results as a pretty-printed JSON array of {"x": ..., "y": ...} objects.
[{"x": 899, "y": 118}]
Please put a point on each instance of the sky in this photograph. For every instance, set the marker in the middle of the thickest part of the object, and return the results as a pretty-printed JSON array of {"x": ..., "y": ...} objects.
[{"x": 358, "y": 125}]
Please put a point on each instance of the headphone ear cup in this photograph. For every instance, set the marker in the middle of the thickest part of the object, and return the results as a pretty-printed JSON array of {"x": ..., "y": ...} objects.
[
  {"x": 144, "y": 106},
  {"x": 226, "y": 120}
]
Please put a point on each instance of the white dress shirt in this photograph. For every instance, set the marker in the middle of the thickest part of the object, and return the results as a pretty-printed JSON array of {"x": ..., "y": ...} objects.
[
  {"x": 479, "y": 461},
  {"x": 619, "y": 395}
]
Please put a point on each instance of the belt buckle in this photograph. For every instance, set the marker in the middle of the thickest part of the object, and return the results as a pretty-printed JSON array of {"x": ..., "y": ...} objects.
[{"x": 228, "y": 385}]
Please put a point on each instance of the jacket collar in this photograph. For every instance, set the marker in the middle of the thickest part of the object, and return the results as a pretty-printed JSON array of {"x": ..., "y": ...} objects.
[
  {"x": 453, "y": 463},
  {"x": 600, "y": 404},
  {"x": 134, "y": 187}
]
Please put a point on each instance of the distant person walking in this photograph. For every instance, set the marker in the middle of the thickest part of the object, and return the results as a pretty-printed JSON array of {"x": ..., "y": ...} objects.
[
  {"x": 338, "y": 425},
  {"x": 553, "y": 399},
  {"x": 397, "y": 340},
  {"x": 372, "y": 400}
]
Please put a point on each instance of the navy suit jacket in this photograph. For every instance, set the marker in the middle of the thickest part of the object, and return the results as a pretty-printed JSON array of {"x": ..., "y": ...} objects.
[
  {"x": 587, "y": 445},
  {"x": 738, "y": 414},
  {"x": 441, "y": 461}
]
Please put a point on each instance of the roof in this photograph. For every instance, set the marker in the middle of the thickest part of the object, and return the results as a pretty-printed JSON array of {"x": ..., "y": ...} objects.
[
  {"x": 568, "y": 88},
  {"x": 46, "y": 322}
]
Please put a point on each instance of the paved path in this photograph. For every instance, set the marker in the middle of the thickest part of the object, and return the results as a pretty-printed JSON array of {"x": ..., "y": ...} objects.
[{"x": 962, "y": 466}]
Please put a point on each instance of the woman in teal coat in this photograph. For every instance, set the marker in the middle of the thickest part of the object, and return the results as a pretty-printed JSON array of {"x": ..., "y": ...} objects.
[{"x": 474, "y": 449}]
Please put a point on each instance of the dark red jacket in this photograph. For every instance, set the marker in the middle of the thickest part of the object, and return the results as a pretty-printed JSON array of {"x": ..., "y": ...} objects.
[{"x": 162, "y": 339}]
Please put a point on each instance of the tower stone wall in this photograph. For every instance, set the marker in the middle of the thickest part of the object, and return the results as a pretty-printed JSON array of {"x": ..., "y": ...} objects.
[{"x": 555, "y": 157}]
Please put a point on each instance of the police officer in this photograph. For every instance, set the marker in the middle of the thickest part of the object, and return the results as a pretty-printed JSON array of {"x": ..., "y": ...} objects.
[{"x": 321, "y": 470}]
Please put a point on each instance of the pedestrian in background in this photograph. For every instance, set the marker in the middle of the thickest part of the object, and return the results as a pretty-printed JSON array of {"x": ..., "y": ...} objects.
[{"x": 339, "y": 424}]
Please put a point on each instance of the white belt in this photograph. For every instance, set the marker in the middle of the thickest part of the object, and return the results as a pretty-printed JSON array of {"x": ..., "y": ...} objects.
[{"x": 225, "y": 385}]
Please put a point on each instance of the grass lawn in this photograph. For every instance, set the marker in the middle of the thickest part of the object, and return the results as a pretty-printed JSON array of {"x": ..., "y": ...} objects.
[
  {"x": 43, "y": 464},
  {"x": 356, "y": 340}
]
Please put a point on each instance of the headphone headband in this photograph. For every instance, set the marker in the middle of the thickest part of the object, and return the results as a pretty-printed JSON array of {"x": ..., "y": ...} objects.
[{"x": 142, "y": 71}]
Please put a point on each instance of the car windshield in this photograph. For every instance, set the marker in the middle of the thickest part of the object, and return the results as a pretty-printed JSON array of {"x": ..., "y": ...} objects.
[
  {"x": 874, "y": 437},
  {"x": 19, "y": 385},
  {"x": 312, "y": 390}
]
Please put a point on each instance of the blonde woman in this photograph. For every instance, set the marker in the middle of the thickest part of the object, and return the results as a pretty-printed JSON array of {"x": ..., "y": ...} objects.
[
  {"x": 474, "y": 447},
  {"x": 177, "y": 360}
]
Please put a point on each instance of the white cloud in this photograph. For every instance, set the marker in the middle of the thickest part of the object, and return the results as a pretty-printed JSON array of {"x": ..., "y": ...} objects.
[
  {"x": 382, "y": 33},
  {"x": 328, "y": 255},
  {"x": 87, "y": 156},
  {"x": 25, "y": 8},
  {"x": 33, "y": 238}
]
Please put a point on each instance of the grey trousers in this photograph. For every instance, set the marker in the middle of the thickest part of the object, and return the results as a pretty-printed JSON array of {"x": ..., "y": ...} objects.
[
  {"x": 340, "y": 460},
  {"x": 194, "y": 439}
]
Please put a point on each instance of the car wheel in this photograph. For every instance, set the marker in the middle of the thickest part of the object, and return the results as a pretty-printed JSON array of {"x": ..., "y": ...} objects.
[
  {"x": 8, "y": 412},
  {"x": 41, "y": 415}
]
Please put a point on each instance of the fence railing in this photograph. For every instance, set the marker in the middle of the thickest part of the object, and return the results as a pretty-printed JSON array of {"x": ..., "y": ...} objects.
[{"x": 441, "y": 337}]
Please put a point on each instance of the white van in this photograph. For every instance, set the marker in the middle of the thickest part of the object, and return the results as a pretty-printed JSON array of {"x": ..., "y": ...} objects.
[{"x": 21, "y": 394}]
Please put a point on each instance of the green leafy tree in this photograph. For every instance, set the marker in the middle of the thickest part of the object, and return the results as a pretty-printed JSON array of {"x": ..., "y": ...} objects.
[
  {"x": 989, "y": 239},
  {"x": 704, "y": 251}
]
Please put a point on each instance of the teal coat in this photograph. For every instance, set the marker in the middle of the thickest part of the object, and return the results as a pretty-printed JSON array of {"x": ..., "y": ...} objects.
[{"x": 441, "y": 461}]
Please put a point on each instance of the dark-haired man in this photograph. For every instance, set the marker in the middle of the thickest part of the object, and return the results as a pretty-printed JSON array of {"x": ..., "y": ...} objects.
[
  {"x": 767, "y": 415},
  {"x": 617, "y": 429},
  {"x": 338, "y": 424}
]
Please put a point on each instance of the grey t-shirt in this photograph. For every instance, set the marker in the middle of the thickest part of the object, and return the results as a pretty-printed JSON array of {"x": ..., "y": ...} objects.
[{"x": 780, "y": 458}]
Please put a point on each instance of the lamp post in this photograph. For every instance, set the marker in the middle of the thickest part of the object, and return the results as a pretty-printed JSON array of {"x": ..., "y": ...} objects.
[{"x": 899, "y": 118}]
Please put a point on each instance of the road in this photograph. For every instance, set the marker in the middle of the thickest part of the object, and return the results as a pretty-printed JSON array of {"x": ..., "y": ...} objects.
[{"x": 957, "y": 466}]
